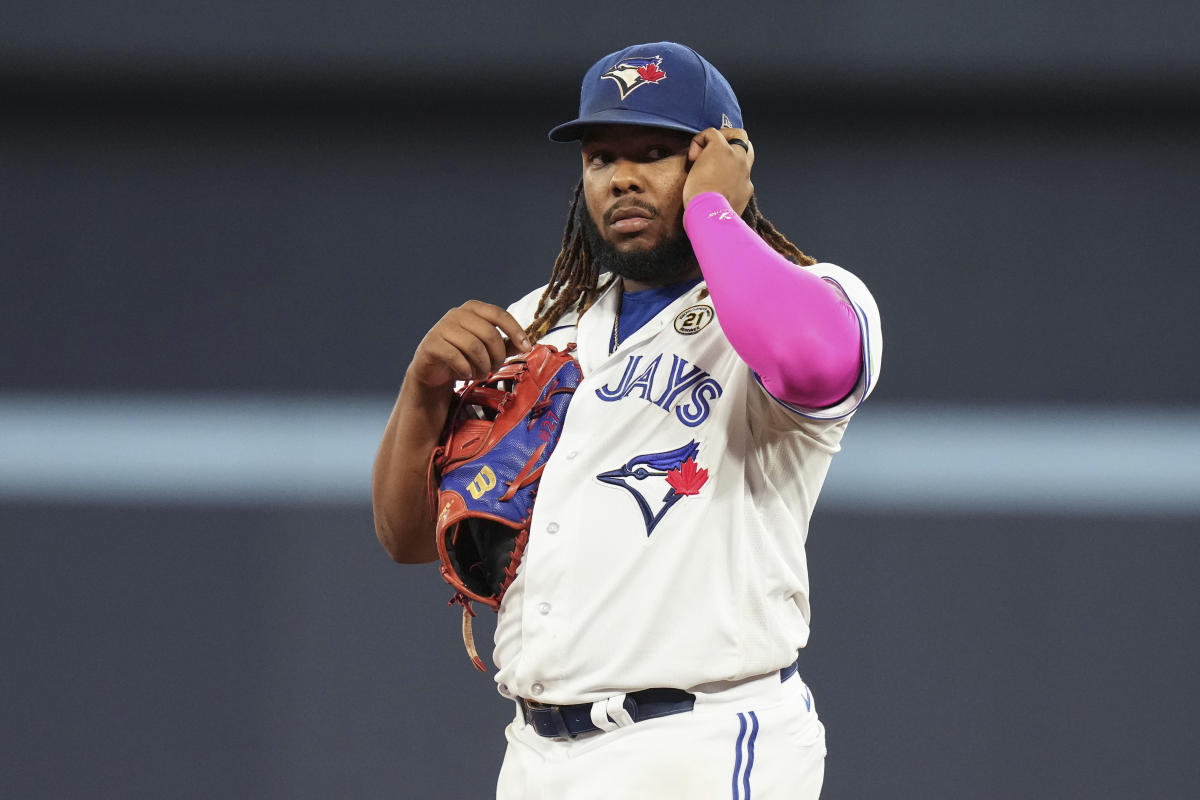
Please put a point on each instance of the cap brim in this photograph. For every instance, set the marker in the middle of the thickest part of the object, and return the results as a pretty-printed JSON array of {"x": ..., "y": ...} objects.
[{"x": 572, "y": 131}]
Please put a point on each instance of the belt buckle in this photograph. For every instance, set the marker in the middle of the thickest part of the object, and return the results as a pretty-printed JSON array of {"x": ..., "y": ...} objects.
[{"x": 555, "y": 714}]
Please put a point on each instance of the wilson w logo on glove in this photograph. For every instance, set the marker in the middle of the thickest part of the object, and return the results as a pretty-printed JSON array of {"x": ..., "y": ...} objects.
[{"x": 498, "y": 438}]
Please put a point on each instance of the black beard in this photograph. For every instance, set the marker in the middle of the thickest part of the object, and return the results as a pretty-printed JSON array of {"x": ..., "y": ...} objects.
[{"x": 670, "y": 261}]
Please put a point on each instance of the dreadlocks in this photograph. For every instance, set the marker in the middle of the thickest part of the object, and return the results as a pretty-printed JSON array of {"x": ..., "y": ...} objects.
[{"x": 575, "y": 283}]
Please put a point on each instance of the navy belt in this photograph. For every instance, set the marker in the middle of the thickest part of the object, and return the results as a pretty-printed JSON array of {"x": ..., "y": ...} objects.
[{"x": 567, "y": 722}]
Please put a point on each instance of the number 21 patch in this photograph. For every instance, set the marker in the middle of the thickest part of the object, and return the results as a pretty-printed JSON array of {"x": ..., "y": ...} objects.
[{"x": 692, "y": 320}]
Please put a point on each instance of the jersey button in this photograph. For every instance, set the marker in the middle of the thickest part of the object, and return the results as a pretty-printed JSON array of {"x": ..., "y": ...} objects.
[
  {"x": 552, "y": 527},
  {"x": 537, "y": 689},
  {"x": 571, "y": 454},
  {"x": 543, "y": 608}
]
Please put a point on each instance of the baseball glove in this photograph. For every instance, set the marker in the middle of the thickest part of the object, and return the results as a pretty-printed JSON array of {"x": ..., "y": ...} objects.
[{"x": 500, "y": 432}]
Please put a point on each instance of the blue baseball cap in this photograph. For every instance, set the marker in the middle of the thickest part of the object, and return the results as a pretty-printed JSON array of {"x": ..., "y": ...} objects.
[{"x": 661, "y": 85}]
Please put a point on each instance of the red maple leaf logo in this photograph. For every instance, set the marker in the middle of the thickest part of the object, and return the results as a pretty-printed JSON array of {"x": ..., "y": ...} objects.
[
  {"x": 688, "y": 478},
  {"x": 652, "y": 73}
]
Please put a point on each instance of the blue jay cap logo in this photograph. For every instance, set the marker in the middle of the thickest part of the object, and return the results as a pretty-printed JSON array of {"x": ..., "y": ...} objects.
[
  {"x": 630, "y": 73},
  {"x": 647, "y": 475}
]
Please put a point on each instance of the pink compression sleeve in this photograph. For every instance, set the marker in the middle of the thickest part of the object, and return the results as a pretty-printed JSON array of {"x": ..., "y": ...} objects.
[{"x": 791, "y": 327}]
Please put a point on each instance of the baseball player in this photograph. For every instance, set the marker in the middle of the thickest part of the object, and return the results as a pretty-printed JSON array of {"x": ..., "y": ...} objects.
[{"x": 649, "y": 640}]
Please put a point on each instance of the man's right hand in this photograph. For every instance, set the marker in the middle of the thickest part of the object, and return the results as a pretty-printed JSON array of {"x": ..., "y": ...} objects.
[{"x": 468, "y": 343}]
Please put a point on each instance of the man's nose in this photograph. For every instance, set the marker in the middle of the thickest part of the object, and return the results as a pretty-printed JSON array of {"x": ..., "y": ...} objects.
[{"x": 626, "y": 177}]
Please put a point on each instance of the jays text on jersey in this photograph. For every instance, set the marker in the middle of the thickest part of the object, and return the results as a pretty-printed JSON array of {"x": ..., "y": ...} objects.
[{"x": 667, "y": 541}]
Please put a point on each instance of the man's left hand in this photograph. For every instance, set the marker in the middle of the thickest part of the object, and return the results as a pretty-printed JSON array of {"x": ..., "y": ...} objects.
[{"x": 719, "y": 165}]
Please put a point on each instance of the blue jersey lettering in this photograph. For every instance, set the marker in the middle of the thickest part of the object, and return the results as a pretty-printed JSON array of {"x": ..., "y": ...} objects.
[
  {"x": 677, "y": 383},
  {"x": 642, "y": 383},
  {"x": 665, "y": 391},
  {"x": 698, "y": 410},
  {"x": 612, "y": 395}
]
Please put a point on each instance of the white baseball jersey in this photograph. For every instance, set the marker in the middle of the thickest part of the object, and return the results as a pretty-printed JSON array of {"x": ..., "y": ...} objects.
[{"x": 667, "y": 541}]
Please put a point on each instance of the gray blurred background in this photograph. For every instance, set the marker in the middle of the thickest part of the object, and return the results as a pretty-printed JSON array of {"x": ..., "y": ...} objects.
[{"x": 225, "y": 226}]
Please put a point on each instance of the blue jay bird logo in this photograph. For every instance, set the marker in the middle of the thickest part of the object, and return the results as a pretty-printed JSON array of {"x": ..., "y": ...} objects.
[
  {"x": 646, "y": 475},
  {"x": 634, "y": 72}
]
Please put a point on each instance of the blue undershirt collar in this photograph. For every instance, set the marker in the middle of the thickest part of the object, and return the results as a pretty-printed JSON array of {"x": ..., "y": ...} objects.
[{"x": 638, "y": 308}]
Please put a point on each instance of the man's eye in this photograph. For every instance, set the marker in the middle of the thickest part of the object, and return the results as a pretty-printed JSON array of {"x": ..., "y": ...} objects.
[
  {"x": 656, "y": 153},
  {"x": 598, "y": 159}
]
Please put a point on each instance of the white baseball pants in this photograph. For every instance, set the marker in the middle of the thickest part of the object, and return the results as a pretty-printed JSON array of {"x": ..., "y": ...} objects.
[{"x": 756, "y": 740}]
